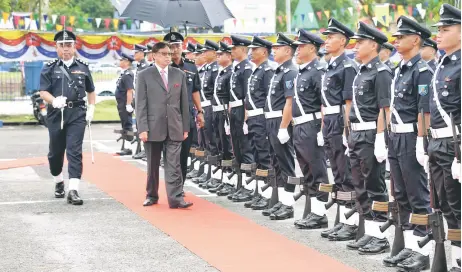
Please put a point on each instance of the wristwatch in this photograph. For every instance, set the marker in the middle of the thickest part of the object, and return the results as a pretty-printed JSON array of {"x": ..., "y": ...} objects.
[{"x": 200, "y": 111}]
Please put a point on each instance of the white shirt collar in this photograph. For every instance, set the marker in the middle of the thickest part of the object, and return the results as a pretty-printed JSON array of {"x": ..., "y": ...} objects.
[
  {"x": 160, "y": 69},
  {"x": 332, "y": 59},
  {"x": 68, "y": 62},
  {"x": 302, "y": 66}
]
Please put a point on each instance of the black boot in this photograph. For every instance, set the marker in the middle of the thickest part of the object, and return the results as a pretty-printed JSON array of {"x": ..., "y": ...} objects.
[
  {"x": 140, "y": 155},
  {"x": 415, "y": 262},
  {"x": 283, "y": 213},
  {"x": 346, "y": 233},
  {"x": 192, "y": 174},
  {"x": 59, "y": 190},
  {"x": 253, "y": 201},
  {"x": 269, "y": 211},
  {"x": 313, "y": 221},
  {"x": 395, "y": 260},
  {"x": 336, "y": 228},
  {"x": 261, "y": 204},
  {"x": 355, "y": 245},
  {"x": 74, "y": 198},
  {"x": 375, "y": 246}
]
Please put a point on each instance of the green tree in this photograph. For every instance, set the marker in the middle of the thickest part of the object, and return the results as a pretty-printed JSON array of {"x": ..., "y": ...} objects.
[{"x": 5, "y": 5}]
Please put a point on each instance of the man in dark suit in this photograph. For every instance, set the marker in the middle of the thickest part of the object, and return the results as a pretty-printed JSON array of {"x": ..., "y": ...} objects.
[{"x": 162, "y": 109}]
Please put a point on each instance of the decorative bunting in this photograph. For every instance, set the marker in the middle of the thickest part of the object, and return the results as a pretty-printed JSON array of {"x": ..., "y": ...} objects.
[
  {"x": 59, "y": 27},
  {"x": 327, "y": 12},
  {"x": 410, "y": 10},
  {"x": 115, "y": 23},
  {"x": 5, "y": 16},
  {"x": 107, "y": 21},
  {"x": 243, "y": 22},
  {"x": 334, "y": 12},
  {"x": 45, "y": 17},
  {"x": 89, "y": 20},
  {"x": 374, "y": 19},
  {"x": 280, "y": 19},
  {"x": 235, "y": 22},
  {"x": 71, "y": 20},
  {"x": 295, "y": 18},
  {"x": 98, "y": 22},
  {"x": 129, "y": 23},
  {"x": 303, "y": 17},
  {"x": 63, "y": 19},
  {"x": 319, "y": 14},
  {"x": 350, "y": 9},
  {"x": 366, "y": 9},
  {"x": 53, "y": 18},
  {"x": 311, "y": 16},
  {"x": 264, "y": 20}
]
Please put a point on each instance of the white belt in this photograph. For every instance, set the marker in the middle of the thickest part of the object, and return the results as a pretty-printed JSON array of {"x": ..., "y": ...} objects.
[
  {"x": 363, "y": 126},
  {"x": 205, "y": 103},
  {"x": 256, "y": 112},
  {"x": 306, "y": 118},
  {"x": 331, "y": 110},
  {"x": 402, "y": 128},
  {"x": 236, "y": 103},
  {"x": 217, "y": 108},
  {"x": 273, "y": 114},
  {"x": 445, "y": 132}
]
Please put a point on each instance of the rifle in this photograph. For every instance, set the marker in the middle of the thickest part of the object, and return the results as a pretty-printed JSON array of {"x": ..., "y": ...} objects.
[
  {"x": 391, "y": 207},
  {"x": 434, "y": 220},
  {"x": 270, "y": 181},
  {"x": 455, "y": 139},
  {"x": 303, "y": 192}
]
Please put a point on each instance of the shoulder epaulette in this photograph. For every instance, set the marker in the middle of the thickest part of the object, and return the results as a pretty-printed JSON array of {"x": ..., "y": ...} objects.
[
  {"x": 247, "y": 67},
  {"x": 348, "y": 65},
  {"x": 188, "y": 72},
  {"x": 423, "y": 66},
  {"x": 267, "y": 68},
  {"x": 188, "y": 60},
  {"x": 81, "y": 61},
  {"x": 384, "y": 67},
  {"x": 321, "y": 66},
  {"x": 52, "y": 61}
]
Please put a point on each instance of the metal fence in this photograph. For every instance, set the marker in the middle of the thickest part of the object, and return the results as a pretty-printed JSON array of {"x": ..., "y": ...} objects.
[{"x": 19, "y": 80}]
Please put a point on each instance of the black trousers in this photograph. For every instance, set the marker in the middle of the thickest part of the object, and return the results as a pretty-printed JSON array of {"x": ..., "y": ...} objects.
[
  {"x": 284, "y": 153},
  {"x": 185, "y": 147},
  {"x": 368, "y": 175},
  {"x": 259, "y": 141},
  {"x": 409, "y": 180},
  {"x": 209, "y": 135},
  {"x": 125, "y": 118},
  {"x": 69, "y": 140},
  {"x": 241, "y": 143},
  {"x": 223, "y": 140},
  {"x": 311, "y": 157},
  {"x": 333, "y": 145},
  {"x": 441, "y": 156}
]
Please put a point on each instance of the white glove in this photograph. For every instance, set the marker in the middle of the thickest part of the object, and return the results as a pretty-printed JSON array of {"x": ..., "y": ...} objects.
[
  {"x": 129, "y": 108},
  {"x": 420, "y": 153},
  {"x": 59, "y": 102},
  {"x": 90, "y": 112},
  {"x": 320, "y": 139},
  {"x": 345, "y": 143},
  {"x": 283, "y": 135},
  {"x": 380, "y": 151},
  {"x": 227, "y": 129},
  {"x": 245, "y": 128},
  {"x": 455, "y": 169}
]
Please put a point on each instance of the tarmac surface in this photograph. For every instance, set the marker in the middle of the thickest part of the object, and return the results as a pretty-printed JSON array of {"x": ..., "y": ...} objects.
[{"x": 113, "y": 232}]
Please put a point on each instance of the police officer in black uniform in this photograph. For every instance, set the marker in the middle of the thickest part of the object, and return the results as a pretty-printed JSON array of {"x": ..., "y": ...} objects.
[
  {"x": 124, "y": 98},
  {"x": 64, "y": 83},
  {"x": 410, "y": 89},
  {"x": 189, "y": 52},
  {"x": 239, "y": 131},
  {"x": 219, "y": 105},
  {"x": 444, "y": 100},
  {"x": 209, "y": 53},
  {"x": 428, "y": 53},
  {"x": 371, "y": 99},
  {"x": 201, "y": 68},
  {"x": 149, "y": 55},
  {"x": 337, "y": 94},
  {"x": 259, "y": 82},
  {"x": 278, "y": 114},
  {"x": 175, "y": 40},
  {"x": 385, "y": 54},
  {"x": 307, "y": 134}
]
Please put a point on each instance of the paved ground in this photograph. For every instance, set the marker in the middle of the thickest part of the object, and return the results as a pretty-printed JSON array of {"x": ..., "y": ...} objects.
[{"x": 41, "y": 233}]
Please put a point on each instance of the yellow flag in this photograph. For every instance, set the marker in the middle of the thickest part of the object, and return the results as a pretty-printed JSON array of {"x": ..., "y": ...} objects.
[
  {"x": 59, "y": 27},
  {"x": 71, "y": 20},
  {"x": 382, "y": 12},
  {"x": 5, "y": 16},
  {"x": 327, "y": 12},
  {"x": 401, "y": 11},
  {"x": 366, "y": 8},
  {"x": 115, "y": 22}
]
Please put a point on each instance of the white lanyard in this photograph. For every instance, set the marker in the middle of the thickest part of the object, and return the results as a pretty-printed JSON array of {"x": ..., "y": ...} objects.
[
  {"x": 358, "y": 114},
  {"x": 202, "y": 85},
  {"x": 323, "y": 89},
  {"x": 297, "y": 100},
  {"x": 215, "y": 90},
  {"x": 248, "y": 92},
  {"x": 392, "y": 105},
  {"x": 231, "y": 87},
  {"x": 443, "y": 113},
  {"x": 269, "y": 93}
]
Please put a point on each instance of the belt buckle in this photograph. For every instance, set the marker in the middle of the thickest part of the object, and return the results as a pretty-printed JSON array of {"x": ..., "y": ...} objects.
[{"x": 70, "y": 104}]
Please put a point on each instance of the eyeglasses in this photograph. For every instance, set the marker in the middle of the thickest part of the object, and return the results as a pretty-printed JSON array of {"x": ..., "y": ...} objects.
[{"x": 164, "y": 54}]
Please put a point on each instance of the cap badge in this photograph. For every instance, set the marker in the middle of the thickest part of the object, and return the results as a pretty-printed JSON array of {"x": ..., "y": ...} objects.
[
  {"x": 173, "y": 37},
  {"x": 400, "y": 23},
  {"x": 442, "y": 10},
  {"x": 330, "y": 22}
]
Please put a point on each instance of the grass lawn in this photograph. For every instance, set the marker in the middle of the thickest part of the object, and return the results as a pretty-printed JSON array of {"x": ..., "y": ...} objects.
[{"x": 104, "y": 111}]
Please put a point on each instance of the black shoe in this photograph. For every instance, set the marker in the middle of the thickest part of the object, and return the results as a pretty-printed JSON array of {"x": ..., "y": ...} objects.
[
  {"x": 182, "y": 205},
  {"x": 355, "y": 245},
  {"x": 253, "y": 201},
  {"x": 395, "y": 260},
  {"x": 302, "y": 220},
  {"x": 260, "y": 205},
  {"x": 144, "y": 159},
  {"x": 192, "y": 174},
  {"x": 283, "y": 213},
  {"x": 124, "y": 152},
  {"x": 387, "y": 175},
  {"x": 200, "y": 179},
  {"x": 230, "y": 196},
  {"x": 149, "y": 202},
  {"x": 375, "y": 246},
  {"x": 346, "y": 233},
  {"x": 458, "y": 261},
  {"x": 162, "y": 163},
  {"x": 140, "y": 155},
  {"x": 454, "y": 269},
  {"x": 216, "y": 189},
  {"x": 312, "y": 221},
  {"x": 226, "y": 190},
  {"x": 336, "y": 228},
  {"x": 74, "y": 198},
  {"x": 328, "y": 163},
  {"x": 269, "y": 211},
  {"x": 415, "y": 262},
  {"x": 59, "y": 190},
  {"x": 245, "y": 195}
]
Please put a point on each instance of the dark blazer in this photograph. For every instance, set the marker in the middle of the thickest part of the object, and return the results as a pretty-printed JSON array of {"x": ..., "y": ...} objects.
[{"x": 160, "y": 112}]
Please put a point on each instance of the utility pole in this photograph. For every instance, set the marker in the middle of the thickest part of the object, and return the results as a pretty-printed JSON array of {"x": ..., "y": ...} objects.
[{"x": 288, "y": 17}]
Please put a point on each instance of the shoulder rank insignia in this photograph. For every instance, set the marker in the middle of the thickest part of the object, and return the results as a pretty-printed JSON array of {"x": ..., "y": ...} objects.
[
  {"x": 52, "y": 61},
  {"x": 247, "y": 67},
  {"x": 347, "y": 65},
  {"x": 289, "y": 84},
  {"x": 81, "y": 61},
  {"x": 423, "y": 69},
  {"x": 268, "y": 68},
  {"x": 423, "y": 89},
  {"x": 381, "y": 68}
]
